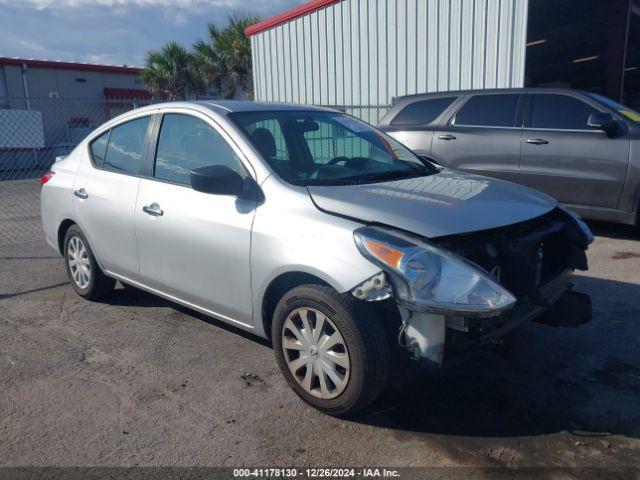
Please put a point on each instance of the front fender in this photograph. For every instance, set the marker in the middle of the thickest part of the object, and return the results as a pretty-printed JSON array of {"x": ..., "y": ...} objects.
[{"x": 291, "y": 235}]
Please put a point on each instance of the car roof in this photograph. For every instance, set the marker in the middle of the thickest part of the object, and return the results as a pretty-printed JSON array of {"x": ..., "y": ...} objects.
[
  {"x": 487, "y": 91},
  {"x": 221, "y": 107},
  {"x": 227, "y": 106}
]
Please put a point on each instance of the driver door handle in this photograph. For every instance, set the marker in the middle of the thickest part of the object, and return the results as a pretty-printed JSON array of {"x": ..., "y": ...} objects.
[
  {"x": 537, "y": 141},
  {"x": 446, "y": 137},
  {"x": 154, "y": 210},
  {"x": 81, "y": 193}
]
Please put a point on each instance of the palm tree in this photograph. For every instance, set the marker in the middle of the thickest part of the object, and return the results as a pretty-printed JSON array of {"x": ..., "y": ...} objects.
[
  {"x": 169, "y": 73},
  {"x": 224, "y": 59}
]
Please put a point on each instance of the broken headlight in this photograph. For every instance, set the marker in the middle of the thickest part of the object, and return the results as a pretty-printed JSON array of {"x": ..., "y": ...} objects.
[{"x": 427, "y": 278}]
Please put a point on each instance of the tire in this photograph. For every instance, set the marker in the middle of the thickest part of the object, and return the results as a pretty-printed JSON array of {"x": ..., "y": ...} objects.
[
  {"x": 86, "y": 277},
  {"x": 363, "y": 345}
]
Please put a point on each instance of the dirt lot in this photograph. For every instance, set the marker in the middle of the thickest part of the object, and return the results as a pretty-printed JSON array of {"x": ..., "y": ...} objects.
[{"x": 136, "y": 380}]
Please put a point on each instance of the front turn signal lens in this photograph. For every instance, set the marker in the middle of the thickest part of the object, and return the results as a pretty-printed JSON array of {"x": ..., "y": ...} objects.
[{"x": 386, "y": 254}]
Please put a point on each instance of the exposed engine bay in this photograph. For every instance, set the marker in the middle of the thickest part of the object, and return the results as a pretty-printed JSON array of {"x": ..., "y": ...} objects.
[
  {"x": 527, "y": 255},
  {"x": 534, "y": 260}
]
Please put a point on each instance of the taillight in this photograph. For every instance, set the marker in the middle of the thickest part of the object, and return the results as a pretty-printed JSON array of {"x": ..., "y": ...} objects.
[{"x": 48, "y": 175}]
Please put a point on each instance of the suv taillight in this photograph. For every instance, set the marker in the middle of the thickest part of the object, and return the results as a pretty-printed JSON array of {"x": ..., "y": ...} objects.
[{"x": 48, "y": 175}]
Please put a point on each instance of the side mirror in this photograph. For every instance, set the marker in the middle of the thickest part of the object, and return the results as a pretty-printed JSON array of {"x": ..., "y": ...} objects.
[
  {"x": 217, "y": 180},
  {"x": 603, "y": 121},
  {"x": 222, "y": 180}
]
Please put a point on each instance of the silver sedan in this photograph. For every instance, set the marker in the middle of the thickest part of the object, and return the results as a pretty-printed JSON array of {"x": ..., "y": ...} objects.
[{"x": 309, "y": 227}]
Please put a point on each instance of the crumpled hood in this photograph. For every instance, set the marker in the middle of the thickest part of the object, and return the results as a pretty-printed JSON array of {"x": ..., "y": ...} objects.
[{"x": 445, "y": 203}]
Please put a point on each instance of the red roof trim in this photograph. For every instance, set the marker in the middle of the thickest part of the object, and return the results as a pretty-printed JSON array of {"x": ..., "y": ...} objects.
[
  {"x": 287, "y": 16},
  {"x": 128, "y": 93},
  {"x": 87, "y": 67}
]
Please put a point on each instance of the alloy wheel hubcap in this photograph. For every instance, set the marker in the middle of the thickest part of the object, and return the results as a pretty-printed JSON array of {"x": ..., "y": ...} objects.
[
  {"x": 316, "y": 353},
  {"x": 79, "y": 264}
]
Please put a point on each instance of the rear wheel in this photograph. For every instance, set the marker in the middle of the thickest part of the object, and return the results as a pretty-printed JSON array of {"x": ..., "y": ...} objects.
[
  {"x": 86, "y": 277},
  {"x": 331, "y": 348}
]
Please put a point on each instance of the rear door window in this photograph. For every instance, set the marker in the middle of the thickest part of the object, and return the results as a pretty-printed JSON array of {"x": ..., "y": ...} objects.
[
  {"x": 560, "y": 112},
  {"x": 422, "y": 112},
  {"x": 489, "y": 111},
  {"x": 127, "y": 146}
]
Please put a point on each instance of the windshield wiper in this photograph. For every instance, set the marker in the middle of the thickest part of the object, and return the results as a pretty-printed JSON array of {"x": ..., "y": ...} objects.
[
  {"x": 395, "y": 175},
  {"x": 324, "y": 182}
]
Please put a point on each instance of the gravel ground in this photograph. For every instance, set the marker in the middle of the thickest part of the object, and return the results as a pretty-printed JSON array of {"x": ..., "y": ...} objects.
[{"x": 136, "y": 380}]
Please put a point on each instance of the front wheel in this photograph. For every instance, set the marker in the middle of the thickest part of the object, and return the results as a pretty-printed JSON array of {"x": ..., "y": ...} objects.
[{"x": 331, "y": 348}]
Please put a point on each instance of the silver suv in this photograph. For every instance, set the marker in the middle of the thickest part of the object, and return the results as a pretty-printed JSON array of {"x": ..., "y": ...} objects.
[
  {"x": 311, "y": 228},
  {"x": 578, "y": 147}
]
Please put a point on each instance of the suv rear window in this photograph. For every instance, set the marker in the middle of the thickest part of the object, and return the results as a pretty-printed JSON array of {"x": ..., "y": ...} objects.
[
  {"x": 422, "y": 111},
  {"x": 489, "y": 111}
]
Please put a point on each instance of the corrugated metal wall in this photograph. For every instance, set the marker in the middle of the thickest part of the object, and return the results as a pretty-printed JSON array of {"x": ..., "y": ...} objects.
[{"x": 365, "y": 52}]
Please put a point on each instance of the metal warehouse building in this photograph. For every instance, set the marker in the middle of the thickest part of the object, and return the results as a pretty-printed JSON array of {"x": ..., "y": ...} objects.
[{"x": 360, "y": 54}]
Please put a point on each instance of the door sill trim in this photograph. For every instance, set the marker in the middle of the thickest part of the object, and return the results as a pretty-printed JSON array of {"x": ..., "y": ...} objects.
[
  {"x": 193, "y": 306},
  {"x": 604, "y": 214}
]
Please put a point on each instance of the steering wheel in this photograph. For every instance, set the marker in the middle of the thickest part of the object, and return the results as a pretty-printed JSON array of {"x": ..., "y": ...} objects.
[{"x": 337, "y": 160}]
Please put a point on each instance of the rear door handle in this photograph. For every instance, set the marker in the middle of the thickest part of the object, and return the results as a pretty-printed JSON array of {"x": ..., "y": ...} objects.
[
  {"x": 81, "y": 193},
  {"x": 446, "y": 137},
  {"x": 537, "y": 141},
  {"x": 153, "y": 210}
]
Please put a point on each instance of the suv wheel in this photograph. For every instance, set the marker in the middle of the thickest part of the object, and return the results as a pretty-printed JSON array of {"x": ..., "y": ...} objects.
[
  {"x": 331, "y": 348},
  {"x": 86, "y": 277}
]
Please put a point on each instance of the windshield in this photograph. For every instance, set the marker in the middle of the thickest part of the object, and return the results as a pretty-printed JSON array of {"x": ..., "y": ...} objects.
[
  {"x": 626, "y": 111},
  {"x": 327, "y": 148}
]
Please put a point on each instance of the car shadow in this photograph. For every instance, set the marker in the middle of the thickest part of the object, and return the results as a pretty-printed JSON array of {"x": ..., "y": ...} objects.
[
  {"x": 545, "y": 380},
  {"x": 5, "y": 296},
  {"x": 132, "y": 296},
  {"x": 614, "y": 230}
]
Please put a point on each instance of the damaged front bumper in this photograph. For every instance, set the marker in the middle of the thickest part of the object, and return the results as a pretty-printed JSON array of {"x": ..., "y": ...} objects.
[
  {"x": 534, "y": 260},
  {"x": 436, "y": 340},
  {"x": 557, "y": 305}
]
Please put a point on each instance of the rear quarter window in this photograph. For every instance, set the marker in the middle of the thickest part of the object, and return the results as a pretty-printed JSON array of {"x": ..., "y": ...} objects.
[
  {"x": 98, "y": 148},
  {"x": 422, "y": 112}
]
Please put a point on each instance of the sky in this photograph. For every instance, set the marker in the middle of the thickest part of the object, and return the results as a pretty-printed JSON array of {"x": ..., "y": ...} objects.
[{"x": 115, "y": 32}]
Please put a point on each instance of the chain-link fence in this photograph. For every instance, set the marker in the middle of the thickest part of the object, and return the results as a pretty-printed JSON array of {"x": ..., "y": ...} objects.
[{"x": 34, "y": 131}]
